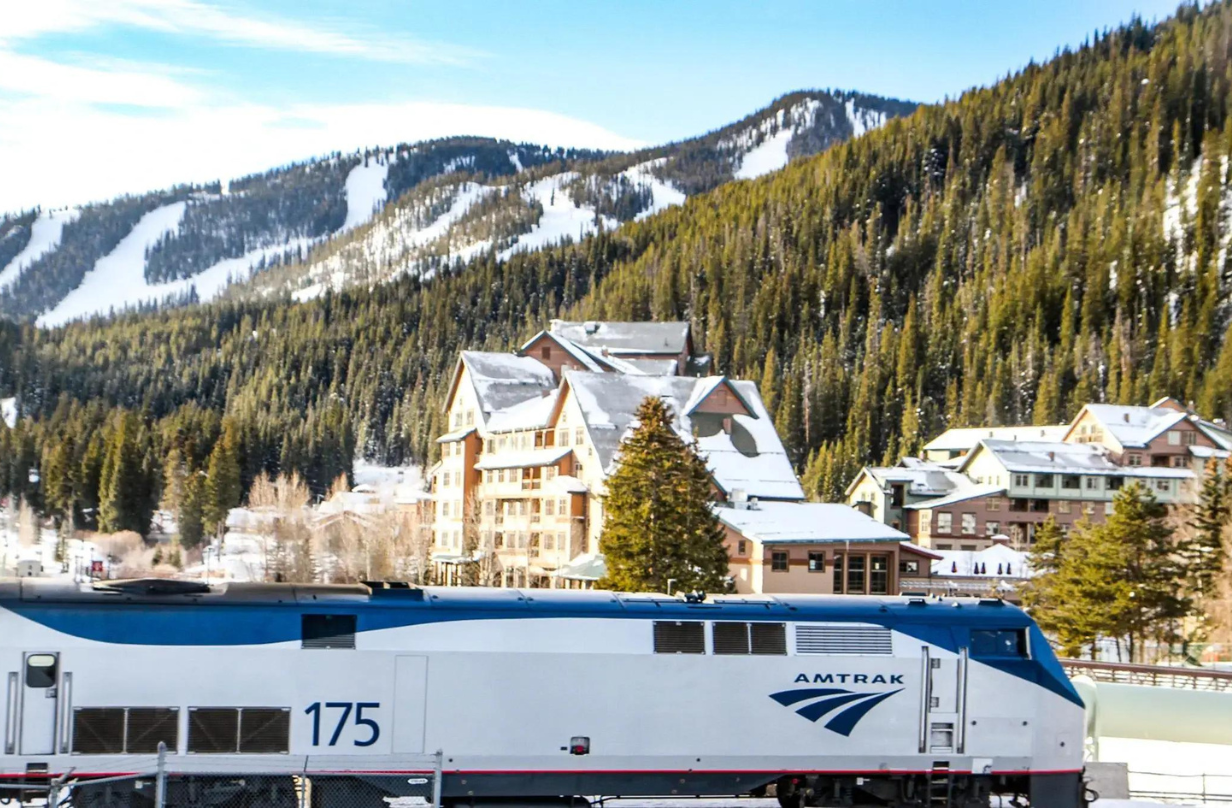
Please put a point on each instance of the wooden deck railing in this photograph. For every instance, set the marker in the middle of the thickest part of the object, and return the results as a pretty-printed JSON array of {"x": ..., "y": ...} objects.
[{"x": 1155, "y": 675}]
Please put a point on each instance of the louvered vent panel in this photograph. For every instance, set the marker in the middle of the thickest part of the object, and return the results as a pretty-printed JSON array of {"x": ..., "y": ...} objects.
[
  {"x": 679, "y": 638},
  {"x": 769, "y": 638},
  {"x": 265, "y": 731},
  {"x": 731, "y": 638},
  {"x": 98, "y": 731},
  {"x": 213, "y": 730},
  {"x": 149, "y": 725},
  {"x": 844, "y": 639},
  {"x": 328, "y": 631}
]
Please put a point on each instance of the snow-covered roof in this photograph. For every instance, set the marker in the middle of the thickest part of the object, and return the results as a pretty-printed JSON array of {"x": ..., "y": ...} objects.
[
  {"x": 625, "y": 338},
  {"x": 586, "y": 567},
  {"x": 1135, "y": 426},
  {"x": 1217, "y": 432},
  {"x": 965, "y": 439},
  {"x": 806, "y": 523},
  {"x": 1206, "y": 452},
  {"x": 456, "y": 435},
  {"x": 1029, "y": 457},
  {"x": 566, "y": 484},
  {"x": 609, "y": 401},
  {"x": 972, "y": 491},
  {"x": 504, "y": 379},
  {"x": 533, "y": 413},
  {"x": 921, "y": 477},
  {"x": 576, "y": 351},
  {"x": 527, "y": 458},
  {"x": 996, "y": 561}
]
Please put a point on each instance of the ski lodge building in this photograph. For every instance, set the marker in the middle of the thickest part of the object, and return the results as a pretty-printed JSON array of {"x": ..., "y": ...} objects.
[{"x": 534, "y": 434}]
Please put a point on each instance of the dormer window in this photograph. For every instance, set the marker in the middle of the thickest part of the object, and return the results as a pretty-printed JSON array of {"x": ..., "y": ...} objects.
[{"x": 545, "y": 352}]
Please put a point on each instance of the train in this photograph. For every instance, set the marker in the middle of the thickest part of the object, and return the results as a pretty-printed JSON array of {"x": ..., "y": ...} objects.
[{"x": 530, "y": 697}]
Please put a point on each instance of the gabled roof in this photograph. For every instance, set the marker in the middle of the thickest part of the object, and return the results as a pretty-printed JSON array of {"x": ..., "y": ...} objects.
[
  {"x": 1132, "y": 426},
  {"x": 609, "y": 401},
  {"x": 501, "y": 380},
  {"x": 806, "y": 523},
  {"x": 972, "y": 491},
  {"x": 1037, "y": 457},
  {"x": 922, "y": 478},
  {"x": 625, "y": 338},
  {"x": 576, "y": 351},
  {"x": 964, "y": 439}
]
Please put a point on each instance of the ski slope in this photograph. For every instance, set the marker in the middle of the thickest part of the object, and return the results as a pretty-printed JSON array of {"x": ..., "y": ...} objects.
[
  {"x": 365, "y": 192},
  {"x": 45, "y": 236}
]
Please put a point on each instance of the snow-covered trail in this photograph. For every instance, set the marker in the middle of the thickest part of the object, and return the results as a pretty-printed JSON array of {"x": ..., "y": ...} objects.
[
  {"x": 365, "y": 190},
  {"x": 45, "y": 236},
  {"x": 562, "y": 218}
]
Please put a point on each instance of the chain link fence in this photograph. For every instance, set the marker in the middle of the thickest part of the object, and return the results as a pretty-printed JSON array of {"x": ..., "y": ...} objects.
[{"x": 201, "y": 782}]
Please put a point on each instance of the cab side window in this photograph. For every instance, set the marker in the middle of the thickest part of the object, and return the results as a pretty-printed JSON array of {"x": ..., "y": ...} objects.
[
  {"x": 41, "y": 670},
  {"x": 1002, "y": 643}
]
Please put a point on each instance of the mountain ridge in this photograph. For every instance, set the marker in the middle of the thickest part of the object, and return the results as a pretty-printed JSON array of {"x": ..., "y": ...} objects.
[{"x": 216, "y": 237}]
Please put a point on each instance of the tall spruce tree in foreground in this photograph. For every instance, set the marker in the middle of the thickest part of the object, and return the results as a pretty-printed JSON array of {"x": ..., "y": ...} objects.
[{"x": 658, "y": 524}]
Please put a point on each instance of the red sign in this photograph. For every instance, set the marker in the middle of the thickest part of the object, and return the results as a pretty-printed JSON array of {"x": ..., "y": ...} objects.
[{"x": 96, "y": 567}]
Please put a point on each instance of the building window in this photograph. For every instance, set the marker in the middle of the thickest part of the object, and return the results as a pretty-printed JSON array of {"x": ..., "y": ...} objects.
[
  {"x": 856, "y": 574},
  {"x": 838, "y": 573},
  {"x": 1108, "y": 509},
  {"x": 470, "y": 417},
  {"x": 1174, "y": 437},
  {"x": 993, "y": 503},
  {"x": 1088, "y": 508},
  {"x": 546, "y": 353},
  {"x": 1072, "y": 481},
  {"x": 879, "y": 575},
  {"x": 945, "y": 521},
  {"x": 1022, "y": 480},
  {"x": 817, "y": 562},
  {"x": 967, "y": 548},
  {"x": 908, "y": 567},
  {"x": 741, "y": 547},
  {"x": 1062, "y": 506},
  {"x": 1134, "y": 459},
  {"x": 562, "y": 506},
  {"x": 945, "y": 546},
  {"x": 1178, "y": 461},
  {"x": 549, "y": 507},
  {"x": 968, "y": 524},
  {"x": 1115, "y": 483},
  {"x": 1043, "y": 481},
  {"x": 992, "y": 528},
  {"x": 778, "y": 561},
  {"x": 926, "y": 521},
  {"x": 896, "y": 498},
  {"x": 578, "y": 436},
  {"x": 1163, "y": 485},
  {"x": 1092, "y": 483},
  {"x": 1190, "y": 438}
]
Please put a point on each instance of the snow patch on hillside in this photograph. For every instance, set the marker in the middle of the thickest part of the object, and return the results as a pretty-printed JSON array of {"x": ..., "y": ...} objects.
[
  {"x": 8, "y": 411},
  {"x": 389, "y": 246},
  {"x": 764, "y": 147},
  {"x": 365, "y": 192},
  {"x": 117, "y": 280},
  {"x": 770, "y": 155},
  {"x": 45, "y": 236},
  {"x": 863, "y": 120},
  {"x": 663, "y": 194},
  {"x": 562, "y": 217}
]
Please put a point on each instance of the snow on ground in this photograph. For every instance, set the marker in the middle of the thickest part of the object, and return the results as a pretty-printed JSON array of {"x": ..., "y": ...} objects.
[
  {"x": 863, "y": 120},
  {"x": 44, "y": 237},
  {"x": 8, "y": 410},
  {"x": 117, "y": 279},
  {"x": 770, "y": 155},
  {"x": 663, "y": 194},
  {"x": 389, "y": 243},
  {"x": 365, "y": 192},
  {"x": 1167, "y": 766},
  {"x": 562, "y": 217},
  {"x": 517, "y": 161}
]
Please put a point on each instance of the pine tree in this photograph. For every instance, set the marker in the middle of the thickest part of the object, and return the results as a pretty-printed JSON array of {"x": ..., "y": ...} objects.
[
  {"x": 123, "y": 489},
  {"x": 658, "y": 523},
  {"x": 1204, "y": 551},
  {"x": 222, "y": 482},
  {"x": 191, "y": 519}
]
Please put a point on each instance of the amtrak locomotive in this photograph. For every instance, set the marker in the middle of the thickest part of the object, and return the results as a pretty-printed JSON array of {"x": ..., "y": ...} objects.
[{"x": 534, "y": 695}]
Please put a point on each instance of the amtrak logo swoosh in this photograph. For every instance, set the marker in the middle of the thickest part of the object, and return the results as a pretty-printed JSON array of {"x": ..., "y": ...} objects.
[{"x": 847, "y": 706}]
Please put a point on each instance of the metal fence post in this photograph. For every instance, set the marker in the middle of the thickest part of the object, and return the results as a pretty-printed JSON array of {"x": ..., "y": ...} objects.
[
  {"x": 160, "y": 779},
  {"x": 438, "y": 768}
]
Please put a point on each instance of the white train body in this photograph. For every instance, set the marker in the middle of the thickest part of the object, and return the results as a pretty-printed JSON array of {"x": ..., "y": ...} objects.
[{"x": 538, "y": 692}]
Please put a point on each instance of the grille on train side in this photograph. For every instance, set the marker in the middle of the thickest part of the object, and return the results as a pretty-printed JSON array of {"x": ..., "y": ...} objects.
[{"x": 844, "y": 639}]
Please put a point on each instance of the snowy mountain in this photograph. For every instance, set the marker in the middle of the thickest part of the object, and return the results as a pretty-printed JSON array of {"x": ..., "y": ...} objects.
[{"x": 367, "y": 217}]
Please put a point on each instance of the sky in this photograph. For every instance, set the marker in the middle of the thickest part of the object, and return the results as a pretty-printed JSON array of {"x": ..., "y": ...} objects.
[{"x": 104, "y": 97}]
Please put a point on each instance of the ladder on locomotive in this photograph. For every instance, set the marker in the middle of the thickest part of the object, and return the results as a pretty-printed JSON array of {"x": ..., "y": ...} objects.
[{"x": 940, "y": 789}]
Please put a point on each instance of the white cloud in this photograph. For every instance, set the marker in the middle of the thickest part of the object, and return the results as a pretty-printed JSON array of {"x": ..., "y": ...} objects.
[
  {"x": 58, "y": 150},
  {"x": 136, "y": 85},
  {"x": 28, "y": 20}
]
